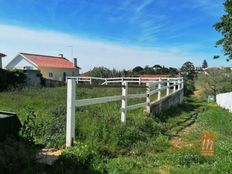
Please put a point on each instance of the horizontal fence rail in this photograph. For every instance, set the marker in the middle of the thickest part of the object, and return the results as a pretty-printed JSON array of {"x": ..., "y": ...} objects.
[
  {"x": 224, "y": 100},
  {"x": 92, "y": 101},
  {"x": 113, "y": 80},
  {"x": 153, "y": 86}
]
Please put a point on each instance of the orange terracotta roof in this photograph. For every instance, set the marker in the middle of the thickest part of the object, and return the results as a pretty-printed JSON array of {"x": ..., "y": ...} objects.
[
  {"x": 45, "y": 61},
  {"x": 86, "y": 74}
]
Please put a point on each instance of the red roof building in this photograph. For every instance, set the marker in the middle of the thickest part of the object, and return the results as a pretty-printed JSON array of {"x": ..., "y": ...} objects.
[
  {"x": 45, "y": 61},
  {"x": 51, "y": 67}
]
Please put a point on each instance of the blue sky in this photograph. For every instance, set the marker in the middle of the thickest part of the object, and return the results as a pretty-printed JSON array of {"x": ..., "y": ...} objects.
[{"x": 159, "y": 31}]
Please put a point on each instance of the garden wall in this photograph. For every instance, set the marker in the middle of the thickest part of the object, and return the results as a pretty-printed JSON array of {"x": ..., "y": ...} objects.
[{"x": 167, "y": 102}]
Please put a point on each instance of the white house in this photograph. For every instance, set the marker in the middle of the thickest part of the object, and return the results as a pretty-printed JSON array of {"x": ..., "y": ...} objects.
[{"x": 51, "y": 67}]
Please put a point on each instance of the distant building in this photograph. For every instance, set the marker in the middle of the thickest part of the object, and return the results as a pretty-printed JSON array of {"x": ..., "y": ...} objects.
[
  {"x": 86, "y": 74},
  {"x": 1, "y": 56},
  {"x": 51, "y": 67},
  {"x": 218, "y": 68}
]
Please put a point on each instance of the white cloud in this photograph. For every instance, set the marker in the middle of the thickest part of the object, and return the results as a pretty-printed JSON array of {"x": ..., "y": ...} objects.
[
  {"x": 90, "y": 53},
  {"x": 143, "y": 5}
]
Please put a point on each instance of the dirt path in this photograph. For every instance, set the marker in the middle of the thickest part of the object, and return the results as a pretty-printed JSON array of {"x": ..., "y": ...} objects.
[
  {"x": 48, "y": 156},
  {"x": 178, "y": 142}
]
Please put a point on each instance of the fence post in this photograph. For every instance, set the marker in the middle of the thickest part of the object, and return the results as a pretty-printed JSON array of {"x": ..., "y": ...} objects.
[
  {"x": 77, "y": 80},
  {"x": 70, "y": 120},
  {"x": 124, "y": 101},
  {"x": 174, "y": 87},
  {"x": 139, "y": 81},
  {"x": 159, "y": 89},
  {"x": 178, "y": 86},
  {"x": 182, "y": 82},
  {"x": 148, "y": 100},
  {"x": 168, "y": 85},
  {"x": 106, "y": 81},
  {"x": 90, "y": 80}
]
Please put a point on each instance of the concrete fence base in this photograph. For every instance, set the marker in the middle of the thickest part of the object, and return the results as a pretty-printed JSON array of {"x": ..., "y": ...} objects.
[{"x": 167, "y": 102}]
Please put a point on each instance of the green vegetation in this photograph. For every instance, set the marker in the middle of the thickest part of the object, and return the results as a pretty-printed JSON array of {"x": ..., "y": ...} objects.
[
  {"x": 205, "y": 64},
  {"x": 11, "y": 79},
  {"x": 224, "y": 27},
  {"x": 214, "y": 82},
  {"x": 189, "y": 75},
  {"x": 136, "y": 71},
  {"x": 104, "y": 145}
]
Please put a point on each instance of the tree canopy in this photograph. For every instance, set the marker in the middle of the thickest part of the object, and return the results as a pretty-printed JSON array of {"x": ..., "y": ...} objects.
[
  {"x": 137, "y": 69},
  {"x": 188, "y": 67},
  {"x": 224, "y": 26}
]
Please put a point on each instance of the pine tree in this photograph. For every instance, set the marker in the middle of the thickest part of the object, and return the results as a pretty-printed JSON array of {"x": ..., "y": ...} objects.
[{"x": 205, "y": 64}]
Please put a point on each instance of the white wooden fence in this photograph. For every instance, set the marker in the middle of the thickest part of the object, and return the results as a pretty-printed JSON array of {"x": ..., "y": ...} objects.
[
  {"x": 152, "y": 87},
  {"x": 225, "y": 100},
  {"x": 119, "y": 80}
]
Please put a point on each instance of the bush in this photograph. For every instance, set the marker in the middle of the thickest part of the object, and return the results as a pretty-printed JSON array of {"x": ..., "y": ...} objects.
[
  {"x": 151, "y": 127},
  {"x": 128, "y": 165},
  {"x": 54, "y": 128},
  {"x": 189, "y": 87},
  {"x": 28, "y": 130},
  {"x": 11, "y": 79},
  {"x": 49, "y": 131},
  {"x": 130, "y": 136},
  {"x": 76, "y": 158},
  {"x": 161, "y": 143}
]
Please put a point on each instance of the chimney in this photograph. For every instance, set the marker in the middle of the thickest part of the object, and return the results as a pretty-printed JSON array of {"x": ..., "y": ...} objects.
[
  {"x": 75, "y": 62},
  {"x": 1, "y": 56},
  {"x": 61, "y": 55}
]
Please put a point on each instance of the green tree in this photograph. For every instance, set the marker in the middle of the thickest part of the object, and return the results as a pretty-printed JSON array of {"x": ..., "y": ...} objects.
[
  {"x": 215, "y": 81},
  {"x": 100, "y": 72},
  {"x": 204, "y": 64},
  {"x": 188, "y": 72},
  {"x": 224, "y": 26},
  {"x": 137, "y": 69},
  {"x": 157, "y": 66},
  {"x": 187, "y": 67}
]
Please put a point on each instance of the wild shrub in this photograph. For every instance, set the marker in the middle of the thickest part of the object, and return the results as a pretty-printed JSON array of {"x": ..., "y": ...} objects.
[
  {"x": 160, "y": 143},
  {"x": 151, "y": 127},
  {"x": 11, "y": 79},
  {"x": 54, "y": 127},
  {"x": 75, "y": 159},
  {"x": 28, "y": 129},
  {"x": 128, "y": 165},
  {"x": 130, "y": 135}
]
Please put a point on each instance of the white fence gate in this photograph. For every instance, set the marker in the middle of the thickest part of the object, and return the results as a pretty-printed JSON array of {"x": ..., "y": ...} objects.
[
  {"x": 225, "y": 100},
  {"x": 153, "y": 86}
]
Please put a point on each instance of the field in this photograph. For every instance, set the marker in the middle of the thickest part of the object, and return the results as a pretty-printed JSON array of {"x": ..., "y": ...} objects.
[{"x": 164, "y": 143}]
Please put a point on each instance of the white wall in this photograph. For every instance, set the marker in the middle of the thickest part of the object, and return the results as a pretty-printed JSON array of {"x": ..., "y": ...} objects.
[
  {"x": 225, "y": 100},
  {"x": 19, "y": 63}
]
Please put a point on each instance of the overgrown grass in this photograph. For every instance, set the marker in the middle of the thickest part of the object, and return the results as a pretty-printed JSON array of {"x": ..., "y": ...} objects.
[{"x": 104, "y": 145}]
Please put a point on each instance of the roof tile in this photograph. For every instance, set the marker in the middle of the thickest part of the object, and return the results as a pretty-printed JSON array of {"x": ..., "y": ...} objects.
[{"x": 44, "y": 61}]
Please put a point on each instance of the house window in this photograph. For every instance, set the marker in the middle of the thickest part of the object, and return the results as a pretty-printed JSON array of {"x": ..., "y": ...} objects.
[
  {"x": 28, "y": 68},
  {"x": 50, "y": 74}
]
